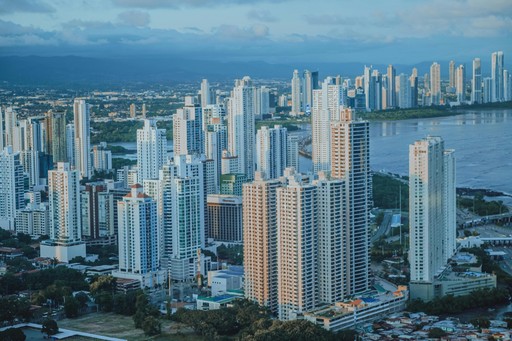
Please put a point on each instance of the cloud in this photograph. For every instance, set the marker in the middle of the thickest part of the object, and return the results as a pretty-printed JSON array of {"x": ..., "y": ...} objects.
[
  {"x": 134, "y": 18},
  {"x": 261, "y": 15},
  {"x": 257, "y": 31},
  {"x": 30, "y": 6},
  {"x": 174, "y": 4},
  {"x": 331, "y": 19}
]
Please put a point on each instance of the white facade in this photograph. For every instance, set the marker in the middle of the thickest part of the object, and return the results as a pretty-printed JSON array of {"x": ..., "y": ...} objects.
[
  {"x": 82, "y": 138},
  {"x": 241, "y": 111},
  {"x": 326, "y": 108},
  {"x": 64, "y": 199},
  {"x": 33, "y": 221},
  {"x": 331, "y": 248},
  {"x": 272, "y": 151},
  {"x": 205, "y": 93},
  {"x": 184, "y": 198},
  {"x": 350, "y": 161},
  {"x": 296, "y": 94},
  {"x": 102, "y": 157},
  {"x": 65, "y": 219},
  {"x": 188, "y": 134},
  {"x": 497, "y": 67},
  {"x": 431, "y": 208},
  {"x": 11, "y": 187},
  {"x": 138, "y": 237},
  {"x": 151, "y": 151}
]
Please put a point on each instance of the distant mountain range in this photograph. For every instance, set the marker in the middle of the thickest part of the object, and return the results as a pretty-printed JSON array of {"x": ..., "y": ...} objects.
[{"x": 71, "y": 71}]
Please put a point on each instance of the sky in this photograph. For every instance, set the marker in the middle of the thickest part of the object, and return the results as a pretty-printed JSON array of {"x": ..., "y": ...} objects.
[{"x": 371, "y": 31}]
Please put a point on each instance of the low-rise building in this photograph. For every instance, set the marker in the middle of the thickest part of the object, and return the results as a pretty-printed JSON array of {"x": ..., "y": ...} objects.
[{"x": 384, "y": 300}]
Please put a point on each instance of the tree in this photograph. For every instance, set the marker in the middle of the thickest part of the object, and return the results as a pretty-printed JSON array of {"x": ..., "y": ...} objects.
[
  {"x": 151, "y": 326},
  {"x": 24, "y": 238},
  {"x": 103, "y": 283},
  {"x": 50, "y": 327},
  {"x": 71, "y": 307},
  {"x": 436, "y": 333},
  {"x": 13, "y": 334}
]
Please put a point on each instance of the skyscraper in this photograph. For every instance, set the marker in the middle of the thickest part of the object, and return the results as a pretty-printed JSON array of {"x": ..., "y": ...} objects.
[
  {"x": 138, "y": 239},
  {"x": 431, "y": 212},
  {"x": 391, "y": 100},
  {"x": 435, "y": 84},
  {"x": 331, "y": 242},
  {"x": 151, "y": 150},
  {"x": 11, "y": 187},
  {"x": 296, "y": 94},
  {"x": 369, "y": 88},
  {"x": 55, "y": 124},
  {"x": 403, "y": 90},
  {"x": 296, "y": 248},
  {"x": 184, "y": 204},
  {"x": 205, "y": 93},
  {"x": 241, "y": 125},
  {"x": 326, "y": 108},
  {"x": 452, "y": 74},
  {"x": 497, "y": 65},
  {"x": 82, "y": 138},
  {"x": 271, "y": 151},
  {"x": 260, "y": 241},
  {"x": 65, "y": 221},
  {"x": 414, "y": 88},
  {"x": 350, "y": 161},
  {"x": 188, "y": 134},
  {"x": 476, "y": 82},
  {"x": 225, "y": 218},
  {"x": 460, "y": 83}
]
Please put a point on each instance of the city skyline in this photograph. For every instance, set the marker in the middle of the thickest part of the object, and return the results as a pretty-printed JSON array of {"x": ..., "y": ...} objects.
[{"x": 257, "y": 30}]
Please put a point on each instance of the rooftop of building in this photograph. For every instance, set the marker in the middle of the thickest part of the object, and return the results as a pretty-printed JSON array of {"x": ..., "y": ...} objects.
[{"x": 383, "y": 292}]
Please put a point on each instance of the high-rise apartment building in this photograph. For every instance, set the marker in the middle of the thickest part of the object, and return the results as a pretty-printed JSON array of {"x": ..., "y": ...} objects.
[
  {"x": 138, "y": 239},
  {"x": 403, "y": 91},
  {"x": 476, "y": 82},
  {"x": 460, "y": 84},
  {"x": 391, "y": 89},
  {"x": 260, "y": 241},
  {"x": 56, "y": 135},
  {"x": 65, "y": 241},
  {"x": 241, "y": 113},
  {"x": 101, "y": 157},
  {"x": 151, "y": 151},
  {"x": 225, "y": 218},
  {"x": 11, "y": 187},
  {"x": 431, "y": 212},
  {"x": 184, "y": 205},
  {"x": 326, "y": 108},
  {"x": 350, "y": 161},
  {"x": 82, "y": 138},
  {"x": 296, "y": 248},
  {"x": 271, "y": 151},
  {"x": 206, "y": 96},
  {"x": 331, "y": 241},
  {"x": 296, "y": 94},
  {"x": 188, "y": 134},
  {"x": 497, "y": 66},
  {"x": 435, "y": 84},
  {"x": 452, "y": 75}
]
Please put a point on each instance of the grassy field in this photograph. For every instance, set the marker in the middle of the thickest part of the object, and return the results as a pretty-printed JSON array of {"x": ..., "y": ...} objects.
[{"x": 119, "y": 326}]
